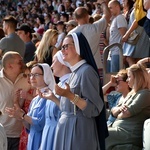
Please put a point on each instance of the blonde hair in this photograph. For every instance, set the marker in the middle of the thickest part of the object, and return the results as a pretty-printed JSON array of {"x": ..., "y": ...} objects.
[
  {"x": 141, "y": 77},
  {"x": 45, "y": 43}
]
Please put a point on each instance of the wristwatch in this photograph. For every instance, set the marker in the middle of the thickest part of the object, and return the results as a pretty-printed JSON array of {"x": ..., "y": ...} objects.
[{"x": 23, "y": 115}]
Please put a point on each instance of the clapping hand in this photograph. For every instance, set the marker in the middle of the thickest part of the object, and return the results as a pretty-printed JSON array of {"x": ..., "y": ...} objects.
[
  {"x": 63, "y": 91},
  {"x": 47, "y": 94},
  {"x": 14, "y": 112}
]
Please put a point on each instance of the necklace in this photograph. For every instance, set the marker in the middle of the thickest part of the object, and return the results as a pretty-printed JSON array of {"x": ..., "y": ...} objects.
[{"x": 69, "y": 80}]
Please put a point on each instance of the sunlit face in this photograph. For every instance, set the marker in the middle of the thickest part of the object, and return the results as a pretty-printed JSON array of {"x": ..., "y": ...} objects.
[
  {"x": 112, "y": 8},
  {"x": 121, "y": 84},
  {"x": 56, "y": 66},
  {"x": 130, "y": 79},
  {"x": 146, "y": 4},
  {"x": 69, "y": 27},
  {"x": 54, "y": 40},
  {"x": 68, "y": 50},
  {"x": 37, "y": 78},
  {"x": 17, "y": 65}
]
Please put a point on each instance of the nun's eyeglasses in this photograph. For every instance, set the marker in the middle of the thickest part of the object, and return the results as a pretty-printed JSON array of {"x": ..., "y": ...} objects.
[
  {"x": 35, "y": 75},
  {"x": 65, "y": 47}
]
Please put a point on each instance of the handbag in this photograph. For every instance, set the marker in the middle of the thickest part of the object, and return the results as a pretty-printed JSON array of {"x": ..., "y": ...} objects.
[{"x": 133, "y": 38}]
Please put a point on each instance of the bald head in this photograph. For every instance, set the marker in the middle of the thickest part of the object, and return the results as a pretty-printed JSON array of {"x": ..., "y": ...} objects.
[
  {"x": 115, "y": 3},
  {"x": 81, "y": 12},
  {"x": 9, "y": 58},
  {"x": 115, "y": 7}
]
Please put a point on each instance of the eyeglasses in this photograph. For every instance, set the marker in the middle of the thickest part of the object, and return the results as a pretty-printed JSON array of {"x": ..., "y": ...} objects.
[
  {"x": 34, "y": 75},
  {"x": 65, "y": 47},
  {"x": 118, "y": 81}
]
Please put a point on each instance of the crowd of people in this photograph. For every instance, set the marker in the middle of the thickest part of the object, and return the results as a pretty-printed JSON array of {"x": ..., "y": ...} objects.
[{"x": 52, "y": 94}]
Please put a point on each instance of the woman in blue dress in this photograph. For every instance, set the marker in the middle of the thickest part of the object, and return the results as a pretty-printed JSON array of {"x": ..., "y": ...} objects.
[
  {"x": 52, "y": 111},
  {"x": 41, "y": 78}
]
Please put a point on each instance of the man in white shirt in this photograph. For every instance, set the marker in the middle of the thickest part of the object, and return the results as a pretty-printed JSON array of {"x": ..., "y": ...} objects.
[
  {"x": 92, "y": 31},
  {"x": 11, "y": 79}
]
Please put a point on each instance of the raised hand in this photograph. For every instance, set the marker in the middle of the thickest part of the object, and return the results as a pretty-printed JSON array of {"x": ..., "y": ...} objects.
[
  {"x": 63, "y": 91},
  {"x": 14, "y": 112}
]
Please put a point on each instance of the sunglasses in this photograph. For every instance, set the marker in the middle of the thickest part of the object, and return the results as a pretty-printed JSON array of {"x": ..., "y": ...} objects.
[
  {"x": 118, "y": 81},
  {"x": 65, "y": 46}
]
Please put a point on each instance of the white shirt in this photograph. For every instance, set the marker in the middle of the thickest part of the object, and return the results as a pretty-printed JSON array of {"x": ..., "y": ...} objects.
[
  {"x": 3, "y": 138},
  {"x": 12, "y": 126}
]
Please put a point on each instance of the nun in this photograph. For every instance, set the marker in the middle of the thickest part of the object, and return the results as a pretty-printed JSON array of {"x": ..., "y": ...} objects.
[
  {"x": 81, "y": 103},
  {"x": 52, "y": 112},
  {"x": 41, "y": 78}
]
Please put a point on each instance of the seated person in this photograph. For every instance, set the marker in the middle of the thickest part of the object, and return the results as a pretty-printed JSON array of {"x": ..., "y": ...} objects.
[
  {"x": 127, "y": 129},
  {"x": 120, "y": 93}
]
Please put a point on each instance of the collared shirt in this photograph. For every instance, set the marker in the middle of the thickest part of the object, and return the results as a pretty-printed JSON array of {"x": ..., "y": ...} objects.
[
  {"x": 63, "y": 78},
  {"x": 7, "y": 91},
  {"x": 3, "y": 138},
  {"x": 77, "y": 65}
]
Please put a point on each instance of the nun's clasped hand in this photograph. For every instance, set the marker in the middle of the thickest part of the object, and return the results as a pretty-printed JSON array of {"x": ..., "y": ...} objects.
[
  {"x": 47, "y": 94},
  {"x": 63, "y": 91}
]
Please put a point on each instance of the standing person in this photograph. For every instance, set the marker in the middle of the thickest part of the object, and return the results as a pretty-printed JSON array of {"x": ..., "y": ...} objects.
[
  {"x": 92, "y": 31},
  {"x": 25, "y": 33},
  {"x": 133, "y": 52},
  {"x": 127, "y": 8},
  {"x": 52, "y": 112},
  {"x": 3, "y": 138},
  {"x": 131, "y": 113},
  {"x": 27, "y": 96},
  {"x": 147, "y": 22},
  {"x": 41, "y": 78},
  {"x": 46, "y": 49},
  {"x": 11, "y": 78},
  {"x": 12, "y": 41},
  {"x": 81, "y": 100},
  {"x": 117, "y": 29},
  {"x": 61, "y": 34},
  {"x": 71, "y": 24}
]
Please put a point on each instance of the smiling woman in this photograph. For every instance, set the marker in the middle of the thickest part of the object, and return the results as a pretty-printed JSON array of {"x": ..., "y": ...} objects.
[
  {"x": 41, "y": 78},
  {"x": 119, "y": 82},
  {"x": 81, "y": 100},
  {"x": 131, "y": 113}
]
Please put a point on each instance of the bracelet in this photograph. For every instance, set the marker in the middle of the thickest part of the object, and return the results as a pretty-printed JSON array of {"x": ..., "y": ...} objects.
[
  {"x": 75, "y": 100},
  {"x": 23, "y": 115}
]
